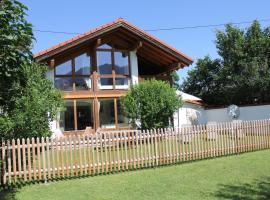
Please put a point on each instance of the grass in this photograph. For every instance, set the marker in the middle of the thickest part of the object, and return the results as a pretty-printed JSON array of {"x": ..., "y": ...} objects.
[{"x": 245, "y": 176}]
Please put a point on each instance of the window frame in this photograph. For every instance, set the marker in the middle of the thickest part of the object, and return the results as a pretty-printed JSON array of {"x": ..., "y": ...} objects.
[
  {"x": 73, "y": 75},
  {"x": 116, "y": 121},
  {"x": 113, "y": 75},
  {"x": 75, "y": 118}
]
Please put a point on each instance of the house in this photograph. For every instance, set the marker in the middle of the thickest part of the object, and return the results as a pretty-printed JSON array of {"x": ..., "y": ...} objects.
[{"x": 96, "y": 68}]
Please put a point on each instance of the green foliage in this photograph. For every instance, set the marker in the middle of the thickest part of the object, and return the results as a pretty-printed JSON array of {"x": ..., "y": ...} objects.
[
  {"x": 241, "y": 75},
  {"x": 152, "y": 103},
  {"x": 26, "y": 96},
  {"x": 15, "y": 49},
  {"x": 29, "y": 117},
  {"x": 175, "y": 79}
]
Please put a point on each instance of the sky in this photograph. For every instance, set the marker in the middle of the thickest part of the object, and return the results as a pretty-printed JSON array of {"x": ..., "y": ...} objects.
[{"x": 83, "y": 15}]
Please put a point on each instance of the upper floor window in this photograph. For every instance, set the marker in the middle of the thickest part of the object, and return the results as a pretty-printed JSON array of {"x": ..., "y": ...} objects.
[
  {"x": 121, "y": 63},
  {"x": 64, "y": 68},
  {"x": 74, "y": 74},
  {"x": 113, "y": 68}
]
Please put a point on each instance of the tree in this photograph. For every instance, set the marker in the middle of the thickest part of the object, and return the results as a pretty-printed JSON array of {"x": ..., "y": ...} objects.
[
  {"x": 152, "y": 103},
  {"x": 15, "y": 49},
  {"x": 175, "y": 79},
  {"x": 28, "y": 101},
  {"x": 242, "y": 73}
]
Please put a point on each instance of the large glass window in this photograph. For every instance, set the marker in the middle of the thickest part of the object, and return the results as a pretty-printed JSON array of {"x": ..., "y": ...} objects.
[
  {"x": 67, "y": 117},
  {"x": 111, "y": 117},
  {"x": 76, "y": 76},
  {"x": 122, "y": 119},
  {"x": 82, "y": 83},
  {"x": 113, "y": 68},
  {"x": 82, "y": 114},
  {"x": 64, "y": 68},
  {"x": 64, "y": 83},
  {"x": 104, "y": 62},
  {"x": 121, "y": 63},
  {"x": 82, "y": 65},
  {"x": 107, "y": 113}
]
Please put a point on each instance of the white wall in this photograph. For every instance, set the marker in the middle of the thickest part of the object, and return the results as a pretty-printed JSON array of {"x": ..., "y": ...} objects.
[
  {"x": 182, "y": 116},
  {"x": 134, "y": 68},
  {"x": 246, "y": 113},
  {"x": 189, "y": 114}
]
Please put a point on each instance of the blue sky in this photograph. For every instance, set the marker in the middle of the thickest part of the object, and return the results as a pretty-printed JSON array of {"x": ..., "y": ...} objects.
[{"x": 82, "y": 15}]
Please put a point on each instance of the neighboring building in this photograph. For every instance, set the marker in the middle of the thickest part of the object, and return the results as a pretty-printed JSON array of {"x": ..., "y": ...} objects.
[
  {"x": 96, "y": 68},
  {"x": 195, "y": 112},
  {"x": 191, "y": 112}
]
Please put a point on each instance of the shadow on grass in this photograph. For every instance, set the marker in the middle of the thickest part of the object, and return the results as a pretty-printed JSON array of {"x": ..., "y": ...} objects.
[
  {"x": 258, "y": 190},
  {"x": 8, "y": 194}
]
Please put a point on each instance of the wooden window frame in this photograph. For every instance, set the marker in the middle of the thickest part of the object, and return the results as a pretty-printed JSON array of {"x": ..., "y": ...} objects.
[
  {"x": 75, "y": 112},
  {"x": 73, "y": 76},
  {"x": 114, "y": 75},
  {"x": 115, "y": 112}
]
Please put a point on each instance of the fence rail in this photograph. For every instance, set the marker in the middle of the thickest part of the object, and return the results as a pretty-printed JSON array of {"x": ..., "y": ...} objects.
[{"x": 42, "y": 159}]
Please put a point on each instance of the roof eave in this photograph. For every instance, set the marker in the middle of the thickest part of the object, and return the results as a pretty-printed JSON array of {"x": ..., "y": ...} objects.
[{"x": 44, "y": 55}]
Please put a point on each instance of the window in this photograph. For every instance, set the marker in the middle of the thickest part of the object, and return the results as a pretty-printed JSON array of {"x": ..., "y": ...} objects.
[
  {"x": 64, "y": 83},
  {"x": 113, "y": 68},
  {"x": 105, "y": 46},
  {"x": 106, "y": 113},
  {"x": 121, "y": 63},
  {"x": 104, "y": 62},
  {"x": 122, "y": 119},
  {"x": 111, "y": 117},
  {"x": 82, "y": 65},
  {"x": 82, "y": 115},
  {"x": 75, "y": 76},
  {"x": 64, "y": 69},
  {"x": 67, "y": 117}
]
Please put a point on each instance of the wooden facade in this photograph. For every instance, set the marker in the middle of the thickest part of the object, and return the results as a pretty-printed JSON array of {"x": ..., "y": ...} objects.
[{"x": 141, "y": 56}]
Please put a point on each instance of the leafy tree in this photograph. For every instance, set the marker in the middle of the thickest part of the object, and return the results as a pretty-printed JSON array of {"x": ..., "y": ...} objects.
[
  {"x": 15, "y": 49},
  {"x": 242, "y": 73},
  {"x": 152, "y": 103},
  {"x": 175, "y": 80},
  {"x": 27, "y": 99}
]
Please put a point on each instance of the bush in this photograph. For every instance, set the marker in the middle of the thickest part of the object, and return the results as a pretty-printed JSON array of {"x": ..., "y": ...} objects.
[{"x": 152, "y": 103}]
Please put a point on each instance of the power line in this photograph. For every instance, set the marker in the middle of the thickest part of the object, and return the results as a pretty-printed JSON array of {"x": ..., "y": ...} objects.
[
  {"x": 58, "y": 32},
  {"x": 164, "y": 29},
  {"x": 205, "y": 26}
]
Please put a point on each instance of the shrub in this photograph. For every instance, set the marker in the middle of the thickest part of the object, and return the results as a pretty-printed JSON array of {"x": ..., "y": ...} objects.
[{"x": 152, "y": 103}]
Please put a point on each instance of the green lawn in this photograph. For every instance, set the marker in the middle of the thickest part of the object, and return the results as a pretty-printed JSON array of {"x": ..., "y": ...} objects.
[{"x": 235, "y": 177}]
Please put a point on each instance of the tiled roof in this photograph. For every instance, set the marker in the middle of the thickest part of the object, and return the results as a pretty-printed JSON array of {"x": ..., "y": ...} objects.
[{"x": 117, "y": 23}]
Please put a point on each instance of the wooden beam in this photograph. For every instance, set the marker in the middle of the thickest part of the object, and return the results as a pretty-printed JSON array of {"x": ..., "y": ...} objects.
[
  {"x": 136, "y": 46},
  {"x": 98, "y": 42},
  {"x": 52, "y": 63},
  {"x": 172, "y": 67},
  {"x": 97, "y": 94},
  {"x": 151, "y": 57}
]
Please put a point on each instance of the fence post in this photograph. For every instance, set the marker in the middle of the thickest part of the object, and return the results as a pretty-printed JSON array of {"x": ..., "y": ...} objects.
[{"x": 3, "y": 171}]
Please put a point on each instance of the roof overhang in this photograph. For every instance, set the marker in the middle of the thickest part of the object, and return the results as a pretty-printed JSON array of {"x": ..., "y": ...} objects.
[{"x": 148, "y": 47}]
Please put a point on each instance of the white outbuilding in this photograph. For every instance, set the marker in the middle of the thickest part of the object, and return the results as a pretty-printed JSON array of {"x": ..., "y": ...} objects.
[{"x": 191, "y": 112}]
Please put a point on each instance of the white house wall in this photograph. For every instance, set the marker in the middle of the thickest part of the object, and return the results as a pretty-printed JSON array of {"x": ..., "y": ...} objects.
[
  {"x": 181, "y": 117},
  {"x": 134, "y": 68}
]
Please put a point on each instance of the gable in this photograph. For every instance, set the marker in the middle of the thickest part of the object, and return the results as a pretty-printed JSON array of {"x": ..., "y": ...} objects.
[{"x": 123, "y": 35}]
